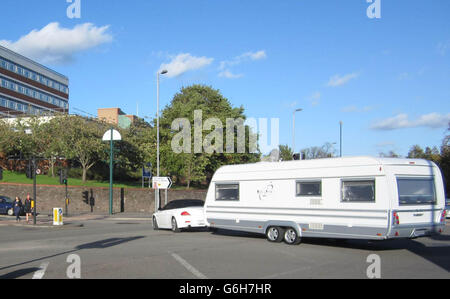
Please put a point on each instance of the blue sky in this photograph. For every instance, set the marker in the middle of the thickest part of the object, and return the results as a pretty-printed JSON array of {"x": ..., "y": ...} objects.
[{"x": 387, "y": 79}]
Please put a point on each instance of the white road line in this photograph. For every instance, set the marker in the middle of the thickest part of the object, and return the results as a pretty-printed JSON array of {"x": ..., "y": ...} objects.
[
  {"x": 188, "y": 266},
  {"x": 41, "y": 272}
]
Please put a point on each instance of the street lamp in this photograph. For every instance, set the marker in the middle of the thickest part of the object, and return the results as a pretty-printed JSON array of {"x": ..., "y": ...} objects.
[
  {"x": 163, "y": 72},
  {"x": 293, "y": 131}
]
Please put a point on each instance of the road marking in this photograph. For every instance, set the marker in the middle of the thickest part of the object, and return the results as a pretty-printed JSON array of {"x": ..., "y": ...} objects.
[
  {"x": 41, "y": 272},
  {"x": 188, "y": 266}
]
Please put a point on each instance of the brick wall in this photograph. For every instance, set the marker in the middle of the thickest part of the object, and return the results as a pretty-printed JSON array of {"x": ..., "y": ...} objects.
[{"x": 124, "y": 200}]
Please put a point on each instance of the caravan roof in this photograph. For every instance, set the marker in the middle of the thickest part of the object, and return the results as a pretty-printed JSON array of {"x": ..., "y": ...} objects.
[{"x": 321, "y": 163}]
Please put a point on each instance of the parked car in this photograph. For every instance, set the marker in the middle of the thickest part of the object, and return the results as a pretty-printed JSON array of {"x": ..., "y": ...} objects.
[
  {"x": 6, "y": 206},
  {"x": 180, "y": 214}
]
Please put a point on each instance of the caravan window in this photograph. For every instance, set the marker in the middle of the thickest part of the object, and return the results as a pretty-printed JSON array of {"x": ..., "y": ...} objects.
[
  {"x": 416, "y": 191},
  {"x": 309, "y": 188},
  {"x": 358, "y": 191},
  {"x": 227, "y": 192}
]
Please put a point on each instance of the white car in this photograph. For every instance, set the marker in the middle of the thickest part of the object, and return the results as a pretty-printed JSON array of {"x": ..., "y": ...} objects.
[{"x": 179, "y": 214}]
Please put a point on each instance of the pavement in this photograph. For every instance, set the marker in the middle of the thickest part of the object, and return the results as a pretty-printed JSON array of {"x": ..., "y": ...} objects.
[{"x": 46, "y": 221}]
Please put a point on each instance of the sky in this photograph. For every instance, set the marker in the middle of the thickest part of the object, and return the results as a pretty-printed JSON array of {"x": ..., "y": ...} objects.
[{"x": 387, "y": 79}]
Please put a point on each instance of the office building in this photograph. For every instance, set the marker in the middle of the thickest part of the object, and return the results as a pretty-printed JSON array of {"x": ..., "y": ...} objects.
[
  {"x": 29, "y": 88},
  {"x": 116, "y": 116}
]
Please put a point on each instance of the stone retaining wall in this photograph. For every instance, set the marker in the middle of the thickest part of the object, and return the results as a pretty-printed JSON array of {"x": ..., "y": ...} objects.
[{"x": 95, "y": 199}]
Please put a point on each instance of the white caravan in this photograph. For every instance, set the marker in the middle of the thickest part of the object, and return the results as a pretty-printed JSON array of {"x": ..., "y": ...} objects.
[{"x": 350, "y": 198}]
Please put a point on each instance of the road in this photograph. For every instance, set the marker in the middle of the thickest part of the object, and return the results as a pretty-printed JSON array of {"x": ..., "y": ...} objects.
[{"x": 129, "y": 248}]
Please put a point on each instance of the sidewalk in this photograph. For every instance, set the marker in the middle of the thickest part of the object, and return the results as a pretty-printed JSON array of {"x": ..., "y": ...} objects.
[{"x": 72, "y": 220}]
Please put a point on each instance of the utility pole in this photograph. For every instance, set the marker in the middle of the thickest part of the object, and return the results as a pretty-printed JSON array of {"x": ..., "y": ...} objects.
[
  {"x": 111, "y": 166},
  {"x": 293, "y": 129},
  {"x": 34, "y": 189}
]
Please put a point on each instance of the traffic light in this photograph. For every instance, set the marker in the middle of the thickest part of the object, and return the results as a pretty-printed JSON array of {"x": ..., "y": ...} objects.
[
  {"x": 1, "y": 174},
  {"x": 63, "y": 176}
]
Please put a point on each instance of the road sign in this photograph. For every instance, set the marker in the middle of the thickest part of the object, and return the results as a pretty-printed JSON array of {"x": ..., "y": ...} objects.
[
  {"x": 58, "y": 216},
  {"x": 115, "y": 136},
  {"x": 161, "y": 183}
]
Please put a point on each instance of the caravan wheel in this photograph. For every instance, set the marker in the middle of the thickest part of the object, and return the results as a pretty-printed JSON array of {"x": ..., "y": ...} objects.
[
  {"x": 275, "y": 234},
  {"x": 291, "y": 237}
]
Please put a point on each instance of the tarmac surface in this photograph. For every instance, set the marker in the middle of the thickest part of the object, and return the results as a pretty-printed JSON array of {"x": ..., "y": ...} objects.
[{"x": 126, "y": 246}]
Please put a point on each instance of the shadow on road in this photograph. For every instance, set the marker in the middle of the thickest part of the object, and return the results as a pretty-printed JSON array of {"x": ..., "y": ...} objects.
[
  {"x": 19, "y": 273},
  {"x": 438, "y": 255},
  {"x": 101, "y": 244}
]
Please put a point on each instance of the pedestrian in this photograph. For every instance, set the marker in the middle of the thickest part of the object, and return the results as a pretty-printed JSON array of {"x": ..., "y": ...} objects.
[
  {"x": 17, "y": 208},
  {"x": 28, "y": 208}
]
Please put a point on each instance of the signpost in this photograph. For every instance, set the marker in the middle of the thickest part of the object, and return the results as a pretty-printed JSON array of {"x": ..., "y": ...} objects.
[
  {"x": 111, "y": 136},
  {"x": 146, "y": 174},
  {"x": 158, "y": 183},
  {"x": 161, "y": 183}
]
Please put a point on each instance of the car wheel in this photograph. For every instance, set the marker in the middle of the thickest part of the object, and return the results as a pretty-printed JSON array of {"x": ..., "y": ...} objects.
[
  {"x": 175, "y": 228},
  {"x": 291, "y": 237},
  {"x": 155, "y": 224},
  {"x": 275, "y": 234},
  {"x": 10, "y": 212}
]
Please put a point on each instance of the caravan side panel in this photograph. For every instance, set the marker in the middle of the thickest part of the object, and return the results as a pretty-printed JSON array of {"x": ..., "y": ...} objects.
[{"x": 272, "y": 199}]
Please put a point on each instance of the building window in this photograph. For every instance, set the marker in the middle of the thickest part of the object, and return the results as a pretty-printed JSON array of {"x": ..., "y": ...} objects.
[
  {"x": 227, "y": 192},
  {"x": 358, "y": 191},
  {"x": 309, "y": 188}
]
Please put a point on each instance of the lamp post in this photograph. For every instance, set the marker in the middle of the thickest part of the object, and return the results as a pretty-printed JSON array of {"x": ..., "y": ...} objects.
[
  {"x": 293, "y": 131},
  {"x": 163, "y": 72}
]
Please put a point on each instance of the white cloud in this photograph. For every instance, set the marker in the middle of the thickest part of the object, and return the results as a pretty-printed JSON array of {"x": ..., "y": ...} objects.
[
  {"x": 54, "y": 44},
  {"x": 338, "y": 80},
  {"x": 252, "y": 56},
  {"x": 183, "y": 63},
  {"x": 256, "y": 55},
  {"x": 401, "y": 121},
  {"x": 248, "y": 56},
  {"x": 229, "y": 75}
]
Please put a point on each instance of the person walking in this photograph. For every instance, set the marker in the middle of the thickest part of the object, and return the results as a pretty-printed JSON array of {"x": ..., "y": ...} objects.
[
  {"x": 17, "y": 207},
  {"x": 27, "y": 208}
]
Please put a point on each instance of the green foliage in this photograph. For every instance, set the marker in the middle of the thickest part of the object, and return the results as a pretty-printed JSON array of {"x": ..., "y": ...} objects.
[
  {"x": 201, "y": 165},
  {"x": 286, "y": 153},
  {"x": 78, "y": 140}
]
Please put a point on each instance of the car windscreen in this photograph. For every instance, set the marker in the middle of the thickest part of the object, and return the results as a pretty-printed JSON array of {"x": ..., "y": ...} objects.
[{"x": 416, "y": 191}]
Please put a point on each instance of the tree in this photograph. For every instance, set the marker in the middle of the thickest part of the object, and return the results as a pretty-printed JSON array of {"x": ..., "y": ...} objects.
[
  {"x": 286, "y": 153},
  {"x": 207, "y": 144},
  {"x": 193, "y": 168},
  {"x": 390, "y": 154},
  {"x": 325, "y": 151},
  {"x": 445, "y": 160},
  {"x": 81, "y": 139},
  {"x": 416, "y": 152}
]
